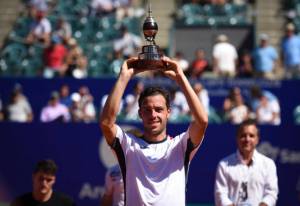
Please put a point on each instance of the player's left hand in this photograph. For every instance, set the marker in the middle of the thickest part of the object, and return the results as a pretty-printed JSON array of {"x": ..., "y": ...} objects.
[{"x": 172, "y": 69}]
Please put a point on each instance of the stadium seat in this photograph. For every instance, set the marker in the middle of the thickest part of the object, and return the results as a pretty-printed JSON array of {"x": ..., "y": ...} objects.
[{"x": 11, "y": 56}]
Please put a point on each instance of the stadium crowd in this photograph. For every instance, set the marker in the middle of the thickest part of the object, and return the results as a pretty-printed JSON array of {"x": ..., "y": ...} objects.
[
  {"x": 64, "y": 53},
  {"x": 92, "y": 38}
]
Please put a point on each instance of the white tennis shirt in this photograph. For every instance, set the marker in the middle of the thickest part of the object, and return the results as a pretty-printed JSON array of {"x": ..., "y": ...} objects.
[{"x": 155, "y": 173}]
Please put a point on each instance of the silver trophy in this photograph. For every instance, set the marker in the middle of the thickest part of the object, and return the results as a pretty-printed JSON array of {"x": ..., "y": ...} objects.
[{"x": 150, "y": 57}]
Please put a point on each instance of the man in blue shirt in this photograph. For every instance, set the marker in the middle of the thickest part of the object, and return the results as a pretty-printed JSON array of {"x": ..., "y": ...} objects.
[
  {"x": 264, "y": 57},
  {"x": 290, "y": 47}
]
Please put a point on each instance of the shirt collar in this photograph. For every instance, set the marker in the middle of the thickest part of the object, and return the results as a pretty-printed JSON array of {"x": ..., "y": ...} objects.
[{"x": 254, "y": 157}]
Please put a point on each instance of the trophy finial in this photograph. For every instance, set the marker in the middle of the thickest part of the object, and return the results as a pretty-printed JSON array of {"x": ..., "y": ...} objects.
[{"x": 149, "y": 10}]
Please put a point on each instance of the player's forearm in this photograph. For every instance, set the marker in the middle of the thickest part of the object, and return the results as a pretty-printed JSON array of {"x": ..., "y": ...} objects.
[{"x": 112, "y": 104}]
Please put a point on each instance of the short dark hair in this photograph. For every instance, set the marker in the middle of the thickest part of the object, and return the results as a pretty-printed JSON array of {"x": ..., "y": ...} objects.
[
  {"x": 245, "y": 123},
  {"x": 151, "y": 91},
  {"x": 47, "y": 166}
]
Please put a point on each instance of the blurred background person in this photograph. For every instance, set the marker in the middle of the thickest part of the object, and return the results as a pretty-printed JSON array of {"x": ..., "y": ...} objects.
[
  {"x": 290, "y": 48},
  {"x": 82, "y": 111},
  {"x": 128, "y": 43},
  {"x": 265, "y": 58},
  {"x": 225, "y": 57},
  {"x": 267, "y": 112},
  {"x": 63, "y": 29},
  {"x": 34, "y": 6},
  {"x": 180, "y": 59},
  {"x": 202, "y": 93},
  {"x": 199, "y": 65},
  {"x": 114, "y": 188},
  {"x": 85, "y": 105},
  {"x": 131, "y": 102},
  {"x": 76, "y": 61},
  {"x": 43, "y": 180},
  {"x": 180, "y": 111},
  {"x": 19, "y": 108},
  {"x": 55, "y": 58},
  {"x": 55, "y": 111},
  {"x": 246, "y": 177},
  {"x": 115, "y": 65},
  {"x": 230, "y": 102},
  {"x": 40, "y": 29},
  {"x": 64, "y": 95},
  {"x": 255, "y": 101},
  {"x": 101, "y": 7},
  {"x": 245, "y": 68},
  {"x": 239, "y": 111}
]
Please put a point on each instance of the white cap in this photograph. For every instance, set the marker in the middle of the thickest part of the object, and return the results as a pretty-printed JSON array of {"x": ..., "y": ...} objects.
[
  {"x": 222, "y": 38},
  {"x": 264, "y": 37},
  {"x": 75, "y": 97}
]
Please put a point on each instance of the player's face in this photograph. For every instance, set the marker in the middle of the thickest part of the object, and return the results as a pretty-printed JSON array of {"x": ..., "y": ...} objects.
[
  {"x": 154, "y": 114},
  {"x": 43, "y": 183},
  {"x": 247, "y": 139}
]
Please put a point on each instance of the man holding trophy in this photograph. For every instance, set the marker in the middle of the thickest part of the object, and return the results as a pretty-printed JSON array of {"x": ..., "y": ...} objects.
[{"x": 154, "y": 166}]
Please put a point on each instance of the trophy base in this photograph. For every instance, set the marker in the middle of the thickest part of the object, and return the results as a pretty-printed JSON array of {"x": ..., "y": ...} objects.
[
  {"x": 150, "y": 58},
  {"x": 150, "y": 64}
]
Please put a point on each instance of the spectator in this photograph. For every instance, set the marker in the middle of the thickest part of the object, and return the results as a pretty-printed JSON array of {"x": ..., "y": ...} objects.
[
  {"x": 267, "y": 112},
  {"x": 75, "y": 109},
  {"x": 82, "y": 112},
  {"x": 129, "y": 43},
  {"x": 203, "y": 95},
  {"x": 76, "y": 61},
  {"x": 116, "y": 64},
  {"x": 290, "y": 48},
  {"x": 246, "y": 177},
  {"x": 179, "y": 58},
  {"x": 230, "y": 102},
  {"x": 101, "y": 7},
  {"x": 55, "y": 111},
  {"x": 40, "y": 29},
  {"x": 224, "y": 57},
  {"x": 199, "y": 65},
  {"x": 55, "y": 58},
  {"x": 62, "y": 29},
  {"x": 33, "y": 6},
  {"x": 43, "y": 180},
  {"x": 179, "y": 107},
  {"x": 19, "y": 109},
  {"x": 114, "y": 188},
  {"x": 86, "y": 105},
  {"x": 255, "y": 100},
  {"x": 131, "y": 102},
  {"x": 64, "y": 95},
  {"x": 265, "y": 57},
  {"x": 245, "y": 69},
  {"x": 239, "y": 112}
]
